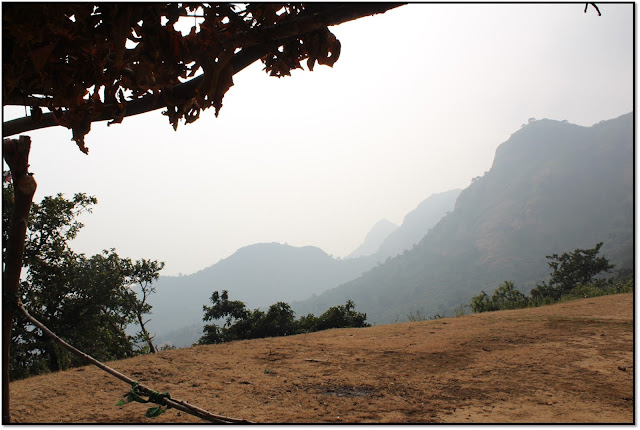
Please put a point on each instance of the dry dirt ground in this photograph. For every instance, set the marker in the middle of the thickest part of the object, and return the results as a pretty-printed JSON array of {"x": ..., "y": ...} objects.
[{"x": 566, "y": 363}]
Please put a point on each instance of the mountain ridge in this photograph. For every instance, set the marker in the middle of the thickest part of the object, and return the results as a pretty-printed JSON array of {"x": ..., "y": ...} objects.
[
  {"x": 374, "y": 238},
  {"x": 553, "y": 187},
  {"x": 290, "y": 273},
  {"x": 259, "y": 274},
  {"x": 417, "y": 223},
  {"x": 522, "y": 202}
]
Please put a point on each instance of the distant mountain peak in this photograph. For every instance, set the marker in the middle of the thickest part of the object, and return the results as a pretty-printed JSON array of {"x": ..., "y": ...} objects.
[
  {"x": 417, "y": 223},
  {"x": 374, "y": 239}
]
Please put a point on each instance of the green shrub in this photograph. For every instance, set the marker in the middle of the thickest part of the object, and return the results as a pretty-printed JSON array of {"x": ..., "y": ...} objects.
[
  {"x": 482, "y": 303},
  {"x": 574, "y": 275},
  {"x": 623, "y": 286},
  {"x": 240, "y": 323},
  {"x": 585, "y": 290},
  {"x": 342, "y": 316},
  {"x": 571, "y": 269},
  {"x": 506, "y": 296}
]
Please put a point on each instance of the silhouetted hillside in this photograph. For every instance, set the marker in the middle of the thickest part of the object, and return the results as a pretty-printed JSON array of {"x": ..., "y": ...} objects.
[{"x": 553, "y": 187}]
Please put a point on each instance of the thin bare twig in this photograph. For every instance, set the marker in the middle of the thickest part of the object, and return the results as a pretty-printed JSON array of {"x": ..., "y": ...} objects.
[{"x": 594, "y": 5}]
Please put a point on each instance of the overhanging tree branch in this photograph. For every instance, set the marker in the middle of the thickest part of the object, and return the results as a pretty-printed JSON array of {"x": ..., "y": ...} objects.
[
  {"x": 145, "y": 104},
  {"x": 255, "y": 45}
]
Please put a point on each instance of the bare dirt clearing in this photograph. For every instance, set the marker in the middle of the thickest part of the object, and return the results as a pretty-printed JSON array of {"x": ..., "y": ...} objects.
[{"x": 566, "y": 363}]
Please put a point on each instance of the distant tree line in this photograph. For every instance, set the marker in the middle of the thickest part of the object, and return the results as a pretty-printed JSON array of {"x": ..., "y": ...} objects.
[
  {"x": 236, "y": 322},
  {"x": 574, "y": 275}
]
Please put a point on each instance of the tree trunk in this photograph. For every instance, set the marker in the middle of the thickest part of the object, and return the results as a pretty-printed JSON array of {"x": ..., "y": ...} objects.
[
  {"x": 145, "y": 333},
  {"x": 16, "y": 155},
  {"x": 137, "y": 308}
]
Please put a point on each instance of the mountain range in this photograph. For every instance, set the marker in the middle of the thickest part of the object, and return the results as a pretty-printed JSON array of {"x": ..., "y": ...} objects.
[
  {"x": 265, "y": 273},
  {"x": 259, "y": 275},
  {"x": 553, "y": 187},
  {"x": 416, "y": 224}
]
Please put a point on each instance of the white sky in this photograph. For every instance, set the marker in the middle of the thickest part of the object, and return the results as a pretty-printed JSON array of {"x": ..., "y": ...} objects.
[{"x": 417, "y": 104}]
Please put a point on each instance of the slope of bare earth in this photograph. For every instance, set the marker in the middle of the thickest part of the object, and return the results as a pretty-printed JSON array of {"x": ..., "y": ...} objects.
[{"x": 566, "y": 363}]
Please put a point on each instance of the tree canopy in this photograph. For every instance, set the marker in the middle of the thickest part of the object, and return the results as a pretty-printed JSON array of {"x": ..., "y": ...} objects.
[
  {"x": 576, "y": 274},
  {"x": 86, "y": 62},
  {"x": 89, "y": 301},
  {"x": 571, "y": 269},
  {"x": 231, "y": 320}
]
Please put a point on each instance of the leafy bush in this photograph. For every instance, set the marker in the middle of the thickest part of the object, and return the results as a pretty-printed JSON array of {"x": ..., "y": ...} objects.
[
  {"x": 341, "y": 316},
  {"x": 574, "y": 275},
  {"x": 506, "y": 296},
  {"x": 482, "y": 303},
  {"x": 599, "y": 288},
  {"x": 570, "y": 270},
  {"x": 625, "y": 286},
  {"x": 240, "y": 323},
  {"x": 307, "y": 323},
  {"x": 582, "y": 291}
]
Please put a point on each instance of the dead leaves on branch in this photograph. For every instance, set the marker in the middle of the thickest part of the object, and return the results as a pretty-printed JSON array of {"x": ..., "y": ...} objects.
[
  {"x": 320, "y": 46},
  {"x": 86, "y": 62},
  {"x": 324, "y": 48}
]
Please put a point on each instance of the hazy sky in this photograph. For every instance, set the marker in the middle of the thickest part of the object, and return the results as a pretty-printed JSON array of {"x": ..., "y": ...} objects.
[{"x": 417, "y": 104}]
